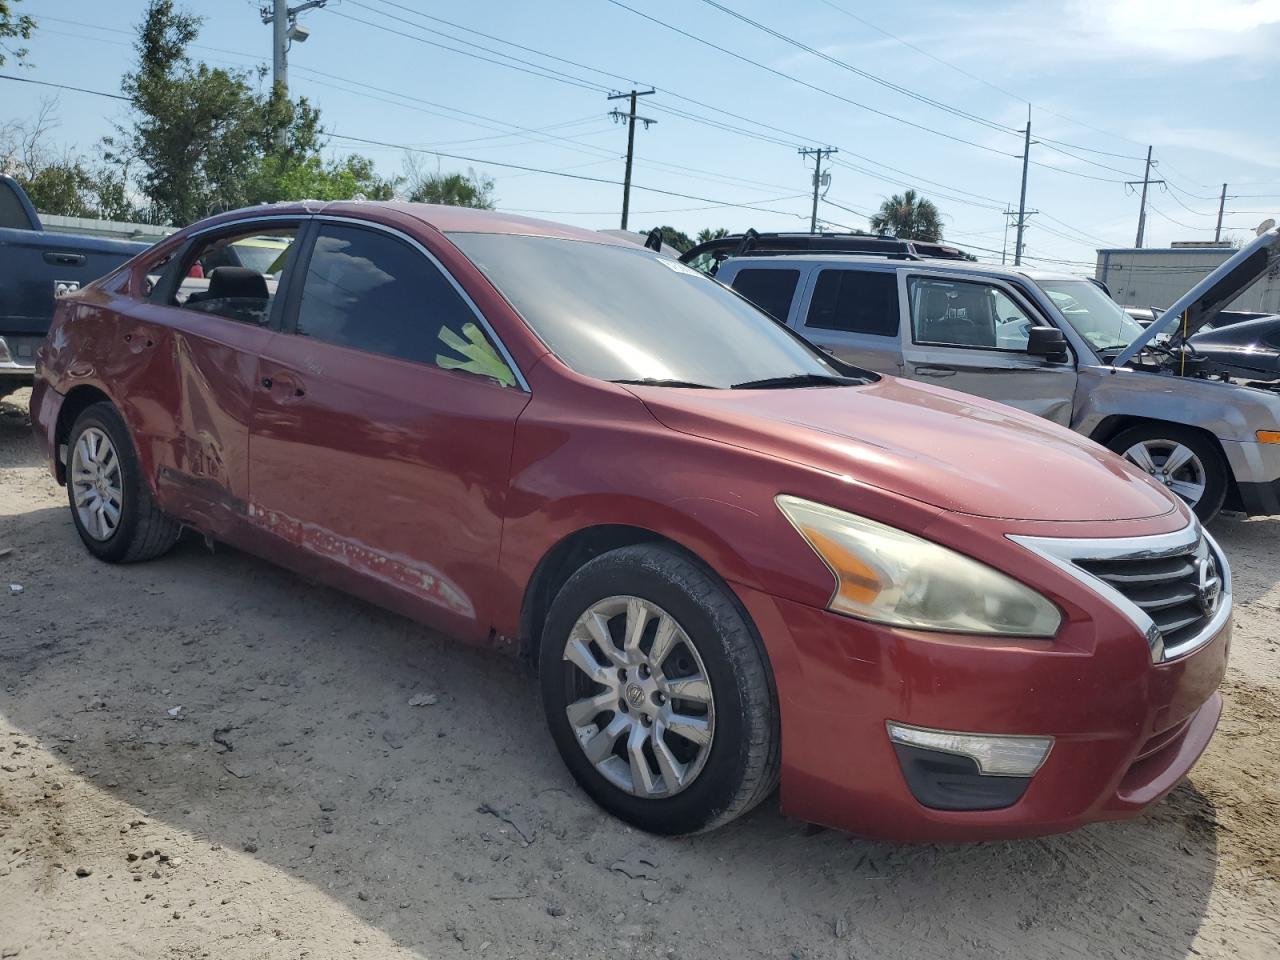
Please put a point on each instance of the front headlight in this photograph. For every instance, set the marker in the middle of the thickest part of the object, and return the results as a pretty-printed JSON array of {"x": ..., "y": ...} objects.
[{"x": 888, "y": 576}]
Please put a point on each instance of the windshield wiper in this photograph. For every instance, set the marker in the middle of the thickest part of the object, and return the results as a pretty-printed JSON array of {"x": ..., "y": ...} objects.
[
  {"x": 664, "y": 382},
  {"x": 797, "y": 380}
]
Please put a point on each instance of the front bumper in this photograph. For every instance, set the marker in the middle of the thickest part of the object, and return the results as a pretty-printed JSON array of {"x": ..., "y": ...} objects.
[
  {"x": 1256, "y": 468},
  {"x": 1125, "y": 729}
]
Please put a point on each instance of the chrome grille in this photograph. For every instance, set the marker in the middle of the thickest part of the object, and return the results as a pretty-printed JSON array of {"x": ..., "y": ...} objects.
[
  {"x": 1175, "y": 587},
  {"x": 1177, "y": 592}
]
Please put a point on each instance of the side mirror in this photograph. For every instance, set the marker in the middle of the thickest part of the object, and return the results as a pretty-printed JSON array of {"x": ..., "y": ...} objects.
[{"x": 1047, "y": 342}]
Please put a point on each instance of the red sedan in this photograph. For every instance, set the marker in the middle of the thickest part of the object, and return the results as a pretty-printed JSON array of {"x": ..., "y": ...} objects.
[{"x": 734, "y": 559}]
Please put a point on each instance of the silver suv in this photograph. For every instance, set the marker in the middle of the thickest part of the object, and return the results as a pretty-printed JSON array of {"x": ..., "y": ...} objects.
[{"x": 1052, "y": 344}]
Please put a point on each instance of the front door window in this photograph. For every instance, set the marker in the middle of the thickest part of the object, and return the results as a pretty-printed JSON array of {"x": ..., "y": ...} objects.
[{"x": 963, "y": 313}]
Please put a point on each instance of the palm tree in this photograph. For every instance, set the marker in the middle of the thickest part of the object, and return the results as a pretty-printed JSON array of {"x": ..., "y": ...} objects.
[{"x": 909, "y": 217}]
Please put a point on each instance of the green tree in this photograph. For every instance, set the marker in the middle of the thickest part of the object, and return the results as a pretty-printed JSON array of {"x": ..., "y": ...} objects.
[
  {"x": 311, "y": 178},
  {"x": 13, "y": 26},
  {"x": 674, "y": 238},
  {"x": 908, "y": 216},
  {"x": 64, "y": 184},
  {"x": 197, "y": 133},
  {"x": 64, "y": 187},
  {"x": 203, "y": 139},
  {"x": 454, "y": 189},
  {"x": 709, "y": 233}
]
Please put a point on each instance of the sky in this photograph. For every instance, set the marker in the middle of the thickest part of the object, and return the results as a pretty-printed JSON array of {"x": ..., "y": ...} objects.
[{"x": 931, "y": 95}]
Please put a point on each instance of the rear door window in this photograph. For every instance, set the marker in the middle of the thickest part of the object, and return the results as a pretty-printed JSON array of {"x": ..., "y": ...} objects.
[
  {"x": 370, "y": 291},
  {"x": 770, "y": 290},
  {"x": 855, "y": 301},
  {"x": 215, "y": 281}
]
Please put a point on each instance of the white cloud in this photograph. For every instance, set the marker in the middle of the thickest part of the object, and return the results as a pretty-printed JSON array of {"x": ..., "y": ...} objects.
[
  {"x": 1184, "y": 30},
  {"x": 1033, "y": 33}
]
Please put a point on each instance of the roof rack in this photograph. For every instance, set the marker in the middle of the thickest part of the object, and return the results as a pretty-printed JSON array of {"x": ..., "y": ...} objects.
[{"x": 755, "y": 244}]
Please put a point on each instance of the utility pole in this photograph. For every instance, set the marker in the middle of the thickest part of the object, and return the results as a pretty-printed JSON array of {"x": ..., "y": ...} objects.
[
  {"x": 1222, "y": 203},
  {"x": 285, "y": 28},
  {"x": 1009, "y": 214},
  {"x": 1142, "y": 205},
  {"x": 1022, "y": 200},
  {"x": 631, "y": 119},
  {"x": 817, "y": 153}
]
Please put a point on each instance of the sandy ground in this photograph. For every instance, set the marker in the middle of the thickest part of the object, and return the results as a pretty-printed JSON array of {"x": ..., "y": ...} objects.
[{"x": 248, "y": 738}]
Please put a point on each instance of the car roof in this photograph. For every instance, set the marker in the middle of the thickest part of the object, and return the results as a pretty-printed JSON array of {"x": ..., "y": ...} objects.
[
  {"x": 890, "y": 263},
  {"x": 446, "y": 219}
]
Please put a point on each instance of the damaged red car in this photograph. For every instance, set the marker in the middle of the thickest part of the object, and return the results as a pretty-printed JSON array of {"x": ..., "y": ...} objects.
[{"x": 735, "y": 560}]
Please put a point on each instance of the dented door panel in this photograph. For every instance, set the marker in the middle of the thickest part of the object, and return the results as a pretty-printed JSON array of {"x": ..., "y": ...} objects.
[
  {"x": 203, "y": 476},
  {"x": 385, "y": 474}
]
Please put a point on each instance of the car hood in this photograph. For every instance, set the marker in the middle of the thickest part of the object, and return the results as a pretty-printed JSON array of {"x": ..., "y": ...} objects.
[
  {"x": 936, "y": 446},
  {"x": 1210, "y": 296}
]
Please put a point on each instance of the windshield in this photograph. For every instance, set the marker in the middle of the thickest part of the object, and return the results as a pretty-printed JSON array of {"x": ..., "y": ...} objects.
[
  {"x": 624, "y": 313},
  {"x": 1093, "y": 314}
]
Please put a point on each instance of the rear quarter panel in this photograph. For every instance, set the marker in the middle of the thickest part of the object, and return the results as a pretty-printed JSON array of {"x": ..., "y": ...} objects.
[{"x": 105, "y": 341}]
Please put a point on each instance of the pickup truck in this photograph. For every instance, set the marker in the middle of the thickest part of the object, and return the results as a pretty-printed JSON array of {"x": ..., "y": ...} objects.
[
  {"x": 35, "y": 269},
  {"x": 1051, "y": 344}
]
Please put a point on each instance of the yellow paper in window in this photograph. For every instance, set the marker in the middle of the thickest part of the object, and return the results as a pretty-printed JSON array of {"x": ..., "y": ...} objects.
[{"x": 480, "y": 356}]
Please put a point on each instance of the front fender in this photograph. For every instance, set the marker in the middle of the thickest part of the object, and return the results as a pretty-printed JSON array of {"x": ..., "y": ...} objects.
[{"x": 1228, "y": 411}]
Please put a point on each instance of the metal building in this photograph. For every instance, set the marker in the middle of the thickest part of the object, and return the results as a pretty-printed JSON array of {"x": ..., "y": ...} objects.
[{"x": 1157, "y": 276}]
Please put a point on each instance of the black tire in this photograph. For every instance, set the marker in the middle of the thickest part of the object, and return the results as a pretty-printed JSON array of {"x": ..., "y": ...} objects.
[
  {"x": 1216, "y": 473},
  {"x": 142, "y": 532},
  {"x": 741, "y": 764}
]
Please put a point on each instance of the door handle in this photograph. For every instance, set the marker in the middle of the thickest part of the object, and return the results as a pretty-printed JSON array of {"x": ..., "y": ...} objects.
[
  {"x": 61, "y": 259},
  {"x": 935, "y": 371}
]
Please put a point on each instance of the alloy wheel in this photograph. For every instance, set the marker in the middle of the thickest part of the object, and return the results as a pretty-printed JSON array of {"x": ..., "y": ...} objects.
[
  {"x": 640, "y": 700},
  {"x": 1173, "y": 464},
  {"x": 96, "y": 483}
]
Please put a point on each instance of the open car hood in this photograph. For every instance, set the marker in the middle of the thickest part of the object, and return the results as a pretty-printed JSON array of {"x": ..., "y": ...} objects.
[{"x": 1203, "y": 302}]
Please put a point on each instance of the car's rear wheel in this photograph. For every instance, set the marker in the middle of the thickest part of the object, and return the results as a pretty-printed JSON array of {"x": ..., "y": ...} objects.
[
  {"x": 658, "y": 693},
  {"x": 111, "y": 503},
  {"x": 1186, "y": 461}
]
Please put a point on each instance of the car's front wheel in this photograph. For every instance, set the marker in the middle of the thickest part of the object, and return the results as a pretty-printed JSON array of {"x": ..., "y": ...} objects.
[
  {"x": 111, "y": 504},
  {"x": 1186, "y": 461},
  {"x": 658, "y": 693}
]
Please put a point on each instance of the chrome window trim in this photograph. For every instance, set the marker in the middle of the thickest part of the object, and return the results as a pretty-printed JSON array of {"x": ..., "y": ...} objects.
[
  {"x": 521, "y": 382},
  {"x": 1063, "y": 552},
  {"x": 298, "y": 218}
]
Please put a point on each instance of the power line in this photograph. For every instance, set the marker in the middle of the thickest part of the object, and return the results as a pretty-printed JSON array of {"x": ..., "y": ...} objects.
[
  {"x": 571, "y": 176},
  {"x": 688, "y": 115},
  {"x": 1186, "y": 226},
  {"x": 1197, "y": 213},
  {"x": 510, "y": 43},
  {"x": 996, "y": 87},
  {"x": 546, "y": 73},
  {"x": 62, "y": 86},
  {"x": 684, "y": 114},
  {"x": 805, "y": 83},
  {"x": 1091, "y": 238},
  {"x": 638, "y": 213},
  {"x": 866, "y": 75}
]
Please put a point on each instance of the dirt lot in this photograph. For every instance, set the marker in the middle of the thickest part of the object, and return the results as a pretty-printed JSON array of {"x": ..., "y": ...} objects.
[{"x": 258, "y": 732}]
